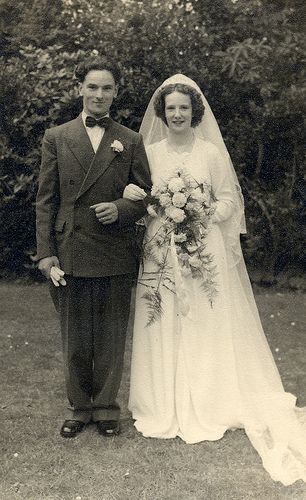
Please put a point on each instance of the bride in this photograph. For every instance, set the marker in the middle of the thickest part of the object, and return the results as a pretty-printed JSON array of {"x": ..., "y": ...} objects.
[{"x": 201, "y": 363}]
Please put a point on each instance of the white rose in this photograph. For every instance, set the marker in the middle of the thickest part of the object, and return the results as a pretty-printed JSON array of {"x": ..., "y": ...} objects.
[
  {"x": 165, "y": 200},
  {"x": 158, "y": 189},
  {"x": 194, "y": 206},
  {"x": 179, "y": 200},
  {"x": 176, "y": 185},
  {"x": 199, "y": 196},
  {"x": 176, "y": 214}
]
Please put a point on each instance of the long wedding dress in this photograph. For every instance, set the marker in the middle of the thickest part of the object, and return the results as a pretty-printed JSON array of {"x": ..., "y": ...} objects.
[{"x": 198, "y": 374}]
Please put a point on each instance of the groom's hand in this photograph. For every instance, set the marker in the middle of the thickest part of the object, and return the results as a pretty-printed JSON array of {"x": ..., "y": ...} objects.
[
  {"x": 106, "y": 213},
  {"x": 44, "y": 265}
]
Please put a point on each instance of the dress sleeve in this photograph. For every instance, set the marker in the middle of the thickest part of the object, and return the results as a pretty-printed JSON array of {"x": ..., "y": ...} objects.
[{"x": 221, "y": 186}]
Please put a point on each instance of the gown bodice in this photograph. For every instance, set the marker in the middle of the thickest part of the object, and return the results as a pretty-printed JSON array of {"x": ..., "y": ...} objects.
[{"x": 163, "y": 160}]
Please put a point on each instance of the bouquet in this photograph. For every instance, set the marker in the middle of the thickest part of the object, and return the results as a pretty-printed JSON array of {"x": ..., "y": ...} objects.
[{"x": 183, "y": 209}]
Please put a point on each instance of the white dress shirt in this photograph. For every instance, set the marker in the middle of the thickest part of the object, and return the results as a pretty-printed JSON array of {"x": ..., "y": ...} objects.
[{"x": 95, "y": 133}]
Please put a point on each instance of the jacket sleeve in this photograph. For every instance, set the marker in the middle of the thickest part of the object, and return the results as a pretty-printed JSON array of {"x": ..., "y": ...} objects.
[
  {"x": 131, "y": 211},
  {"x": 47, "y": 200}
]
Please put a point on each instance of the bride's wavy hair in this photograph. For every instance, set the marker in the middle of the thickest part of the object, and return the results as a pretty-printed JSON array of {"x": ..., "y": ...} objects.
[{"x": 197, "y": 105}]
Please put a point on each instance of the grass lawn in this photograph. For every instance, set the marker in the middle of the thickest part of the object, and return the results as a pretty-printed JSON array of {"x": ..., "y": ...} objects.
[{"x": 36, "y": 463}]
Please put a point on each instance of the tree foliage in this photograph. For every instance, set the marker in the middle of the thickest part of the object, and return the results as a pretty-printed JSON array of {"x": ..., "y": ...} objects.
[{"x": 248, "y": 56}]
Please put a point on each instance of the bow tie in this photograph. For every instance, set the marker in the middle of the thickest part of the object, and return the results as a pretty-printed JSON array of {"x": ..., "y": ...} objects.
[{"x": 102, "y": 122}]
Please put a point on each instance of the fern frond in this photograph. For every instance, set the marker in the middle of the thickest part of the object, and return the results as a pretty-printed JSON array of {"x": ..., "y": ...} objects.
[{"x": 154, "y": 306}]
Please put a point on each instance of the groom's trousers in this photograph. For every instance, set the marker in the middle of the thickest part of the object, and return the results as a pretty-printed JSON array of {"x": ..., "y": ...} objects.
[{"x": 94, "y": 315}]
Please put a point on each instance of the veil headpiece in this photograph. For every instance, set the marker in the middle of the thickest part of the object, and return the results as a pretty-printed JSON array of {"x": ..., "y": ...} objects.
[{"x": 153, "y": 129}]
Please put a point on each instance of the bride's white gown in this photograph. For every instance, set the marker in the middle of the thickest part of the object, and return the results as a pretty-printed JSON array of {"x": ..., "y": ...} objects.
[{"x": 196, "y": 376}]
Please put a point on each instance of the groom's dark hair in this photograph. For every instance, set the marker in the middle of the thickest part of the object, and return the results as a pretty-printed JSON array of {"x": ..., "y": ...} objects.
[
  {"x": 197, "y": 105},
  {"x": 99, "y": 63}
]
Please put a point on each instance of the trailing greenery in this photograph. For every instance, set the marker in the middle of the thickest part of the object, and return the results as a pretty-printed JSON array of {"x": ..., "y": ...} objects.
[{"x": 248, "y": 56}]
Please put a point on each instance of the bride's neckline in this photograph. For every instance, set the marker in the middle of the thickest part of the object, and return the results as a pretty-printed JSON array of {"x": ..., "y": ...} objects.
[{"x": 180, "y": 149}]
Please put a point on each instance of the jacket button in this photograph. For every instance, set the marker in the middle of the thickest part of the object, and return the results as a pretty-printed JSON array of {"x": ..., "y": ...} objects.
[
  {"x": 71, "y": 182},
  {"x": 77, "y": 227}
]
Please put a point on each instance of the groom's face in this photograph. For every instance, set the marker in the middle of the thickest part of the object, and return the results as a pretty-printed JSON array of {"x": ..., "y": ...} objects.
[{"x": 98, "y": 91}]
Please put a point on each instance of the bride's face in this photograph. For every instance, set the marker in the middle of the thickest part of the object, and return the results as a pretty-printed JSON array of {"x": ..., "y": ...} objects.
[{"x": 178, "y": 112}]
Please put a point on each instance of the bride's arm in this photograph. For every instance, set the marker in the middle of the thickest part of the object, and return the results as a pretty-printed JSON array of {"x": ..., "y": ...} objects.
[
  {"x": 134, "y": 193},
  {"x": 222, "y": 188}
]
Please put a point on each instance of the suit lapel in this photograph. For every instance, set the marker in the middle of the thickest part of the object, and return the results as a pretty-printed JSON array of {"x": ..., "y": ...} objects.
[
  {"x": 79, "y": 143},
  {"x": 101, "y": 161}
]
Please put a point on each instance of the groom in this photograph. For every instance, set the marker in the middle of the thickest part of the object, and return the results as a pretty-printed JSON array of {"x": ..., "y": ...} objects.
[{"x": 86, "y": 230}]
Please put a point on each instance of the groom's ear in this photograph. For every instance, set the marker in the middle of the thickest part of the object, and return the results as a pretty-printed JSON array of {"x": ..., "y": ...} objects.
[
  {"x": 80, "y": 88},
  {"x": 116, "y": 90}
]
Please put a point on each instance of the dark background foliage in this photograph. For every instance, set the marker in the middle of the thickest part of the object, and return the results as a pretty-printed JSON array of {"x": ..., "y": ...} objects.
[{"x": 248, "y": 56}]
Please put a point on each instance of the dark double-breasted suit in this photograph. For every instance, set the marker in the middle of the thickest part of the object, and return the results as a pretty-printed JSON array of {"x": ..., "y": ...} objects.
[{"x": 99, "y": 260}]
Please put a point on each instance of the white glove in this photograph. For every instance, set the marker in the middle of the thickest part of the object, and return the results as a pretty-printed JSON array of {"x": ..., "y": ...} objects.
[
  {"x": 57, "y": 276},
  {"x": 134, "y": 193}
]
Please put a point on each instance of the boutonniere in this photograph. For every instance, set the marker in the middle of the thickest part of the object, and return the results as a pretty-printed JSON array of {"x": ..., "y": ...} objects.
[{"x": 117, "y": 146}]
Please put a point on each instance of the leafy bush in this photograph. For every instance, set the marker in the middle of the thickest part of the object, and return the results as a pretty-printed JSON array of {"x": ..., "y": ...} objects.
[
  {"x": 275, "y": 223},
  {"x": 247, "y": 56}
]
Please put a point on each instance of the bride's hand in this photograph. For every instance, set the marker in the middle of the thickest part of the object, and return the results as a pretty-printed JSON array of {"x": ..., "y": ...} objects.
[{"x": 134, "y": 193}]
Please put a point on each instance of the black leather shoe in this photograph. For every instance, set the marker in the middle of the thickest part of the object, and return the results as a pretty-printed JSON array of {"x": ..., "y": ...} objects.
[
  {"x": 108, "y": 427},
  {"x": 71, "y": 428}
]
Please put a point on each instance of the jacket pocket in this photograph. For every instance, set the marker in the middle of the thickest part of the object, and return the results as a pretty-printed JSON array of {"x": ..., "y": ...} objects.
[{"x": 59, "y": 225}]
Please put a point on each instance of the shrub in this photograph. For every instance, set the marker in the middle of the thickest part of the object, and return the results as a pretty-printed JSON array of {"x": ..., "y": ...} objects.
[{"x": 247, "y": 58}]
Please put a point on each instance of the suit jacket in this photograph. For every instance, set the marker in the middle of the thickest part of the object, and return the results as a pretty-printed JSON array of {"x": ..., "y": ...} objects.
[{"x": 72, "y": 178}]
